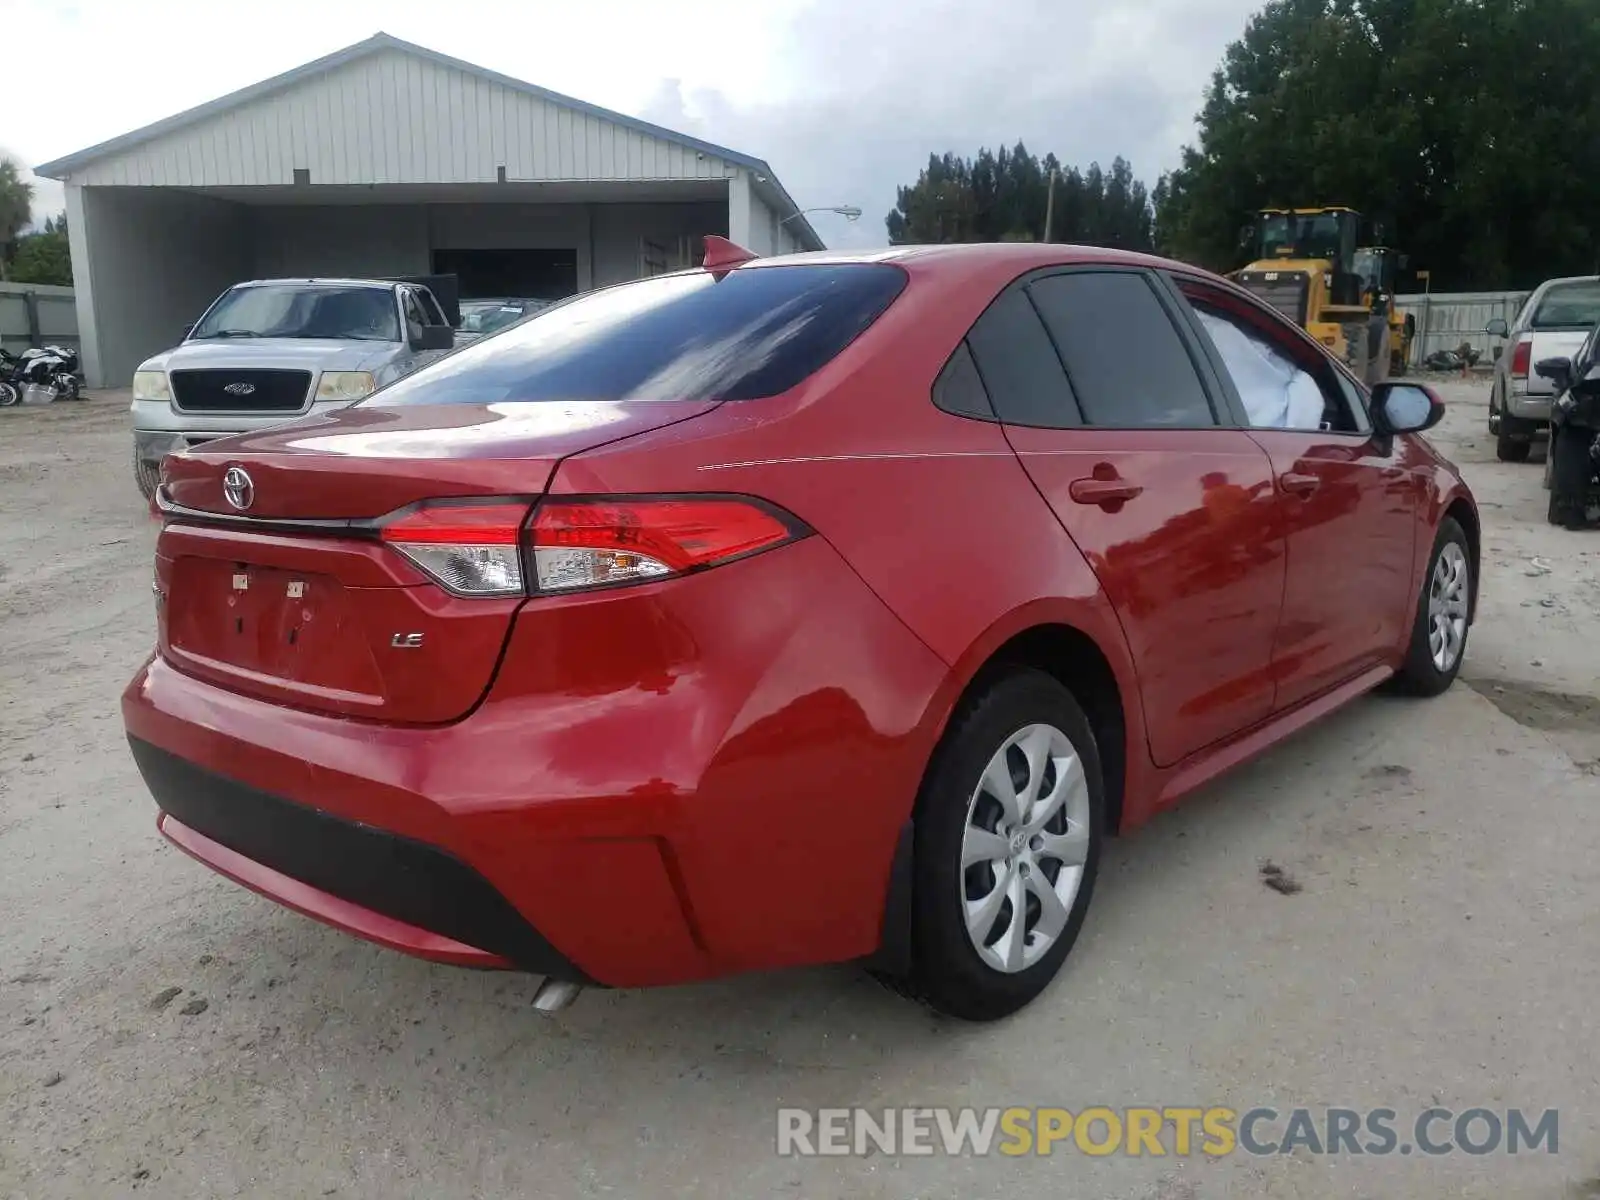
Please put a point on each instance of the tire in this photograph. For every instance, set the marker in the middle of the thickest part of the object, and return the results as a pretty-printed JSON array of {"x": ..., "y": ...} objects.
[
  {"x": 1508, "y": 449},
  {"x": 1422, "y": 674},
  {"x": 1017, "y": 711},
  {"x": 9, "y": 395},
  {"x": 146, "y": 474},
  {"x": 1568, "y": 459},
  {"x": 1377, "y": 350}
]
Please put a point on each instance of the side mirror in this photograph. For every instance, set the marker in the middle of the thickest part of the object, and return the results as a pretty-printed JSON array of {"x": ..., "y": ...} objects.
[
  {"x": 1498, "y": 328},
  {"x": 1405, "y": 407},
  {"x": 432, "y": 337},
  {"x": 1557, "y": 370}
]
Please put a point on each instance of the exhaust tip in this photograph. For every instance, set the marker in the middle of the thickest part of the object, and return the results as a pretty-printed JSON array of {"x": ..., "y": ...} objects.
[{"x": 554, "y": 995}]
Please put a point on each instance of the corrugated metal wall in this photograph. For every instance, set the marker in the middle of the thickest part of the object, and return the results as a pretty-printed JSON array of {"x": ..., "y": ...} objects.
[
  {"x": 396, "y": 118},
  {"x": 1446, "y": 319},
  {"x": 33, "y": 314}
]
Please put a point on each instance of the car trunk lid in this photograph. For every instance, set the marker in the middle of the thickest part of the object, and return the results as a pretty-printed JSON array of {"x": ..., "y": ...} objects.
[
  {"x": 1552, "y": 343},
  {"x": 273, "y": 577}
]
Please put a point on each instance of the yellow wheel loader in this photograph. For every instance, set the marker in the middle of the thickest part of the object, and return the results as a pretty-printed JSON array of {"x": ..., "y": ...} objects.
[{"x": 1305, "y": 267}]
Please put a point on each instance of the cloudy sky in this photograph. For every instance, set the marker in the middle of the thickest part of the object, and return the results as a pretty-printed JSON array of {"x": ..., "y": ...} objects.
[{"x": 845, "y": 98}]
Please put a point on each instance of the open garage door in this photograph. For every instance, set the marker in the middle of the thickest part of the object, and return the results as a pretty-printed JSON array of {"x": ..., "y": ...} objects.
[{"x": 537, "y": 274}]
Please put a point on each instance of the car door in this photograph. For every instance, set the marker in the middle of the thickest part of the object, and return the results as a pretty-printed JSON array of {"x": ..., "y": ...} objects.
[
  {"x": 1348, "y": 499},
  {"x": 1101, "y": 396},
  {"x": 433, "y": 315}
]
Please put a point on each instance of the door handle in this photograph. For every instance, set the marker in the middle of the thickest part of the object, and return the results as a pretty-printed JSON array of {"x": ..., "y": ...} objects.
[
  {"x": 1299, "y": 484},
  {"x": 1104, "y": 492}
]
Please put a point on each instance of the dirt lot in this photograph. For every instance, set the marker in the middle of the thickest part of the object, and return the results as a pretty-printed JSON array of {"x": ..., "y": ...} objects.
[{"x": 163, "y": 1032}]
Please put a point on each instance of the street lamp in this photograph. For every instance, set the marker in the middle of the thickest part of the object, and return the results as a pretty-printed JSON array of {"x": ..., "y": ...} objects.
[{"x": 848, "y": 211}]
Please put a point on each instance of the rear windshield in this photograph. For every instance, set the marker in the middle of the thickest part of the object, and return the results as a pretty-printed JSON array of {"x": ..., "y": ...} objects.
[
  {"x": 1569, "y": 306},
  {"x": 753, "y": 333}
]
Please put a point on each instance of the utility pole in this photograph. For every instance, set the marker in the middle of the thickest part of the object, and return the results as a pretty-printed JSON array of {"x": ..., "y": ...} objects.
[{"x": 1050, "y": 205}]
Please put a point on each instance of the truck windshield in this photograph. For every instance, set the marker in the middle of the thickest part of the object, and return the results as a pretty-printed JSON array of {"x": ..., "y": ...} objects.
[
  {"x": 291, "y": 310},
  {"x": 1317, "y": 235},
  {"x": 754, "y": 332},
  {"x": 1569, "y": 306}
]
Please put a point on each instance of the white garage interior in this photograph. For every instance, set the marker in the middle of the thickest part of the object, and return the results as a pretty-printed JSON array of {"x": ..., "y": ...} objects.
[{"x": 387, "y": 159}]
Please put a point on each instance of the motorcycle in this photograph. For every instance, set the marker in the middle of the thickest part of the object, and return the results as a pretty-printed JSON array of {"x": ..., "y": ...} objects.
[
  {"x": 40, "y": 375},
  {"x": 1572, "y": 464},
  {"x": 1462, "y": 357}
]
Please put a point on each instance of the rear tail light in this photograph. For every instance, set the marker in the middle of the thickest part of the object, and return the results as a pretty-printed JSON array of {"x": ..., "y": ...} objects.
[
  {"x": 478, "y": 549},
  {"x": 601, "y": 542},
  {"x": 1521, "y": 358},
  {"x": 470, "y": 549}
]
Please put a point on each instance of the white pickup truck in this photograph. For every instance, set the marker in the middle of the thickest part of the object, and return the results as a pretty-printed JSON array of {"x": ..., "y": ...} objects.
[
  {"x": 1553, "y": 323},
  {"x": 272, "y": 350}
]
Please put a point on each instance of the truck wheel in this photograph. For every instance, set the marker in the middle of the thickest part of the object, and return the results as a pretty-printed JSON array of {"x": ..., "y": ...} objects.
[
  {"x": 1508, "y": 448},
  {"x": 1377, "y": 350},
  {"x": 146, "y": 474}
]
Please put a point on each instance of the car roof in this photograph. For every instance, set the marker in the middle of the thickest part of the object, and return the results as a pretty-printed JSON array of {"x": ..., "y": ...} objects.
[
  {"x": 384, "y": 284},
  {"x": 1553, "y": 283},
  {"x": 1023, "y": 256}
]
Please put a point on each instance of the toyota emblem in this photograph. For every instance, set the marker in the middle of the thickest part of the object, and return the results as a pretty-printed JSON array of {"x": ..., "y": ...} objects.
[
  {"x": 240, "y": 389},
  {"x": 238, "y": 488}
]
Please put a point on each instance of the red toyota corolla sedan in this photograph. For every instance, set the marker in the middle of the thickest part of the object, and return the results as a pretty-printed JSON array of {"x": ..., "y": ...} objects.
[{"x": 794, "y": 610}]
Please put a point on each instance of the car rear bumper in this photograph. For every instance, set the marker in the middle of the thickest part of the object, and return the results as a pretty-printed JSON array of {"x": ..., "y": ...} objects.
[
  {"x": 388, "y": 889},
  {"x": 1528, "y": 408},
  {"x": 663, "y": 784}
]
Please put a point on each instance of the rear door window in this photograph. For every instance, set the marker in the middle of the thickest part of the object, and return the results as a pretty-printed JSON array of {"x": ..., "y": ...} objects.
[
  {"x": 752, "y": 333},
  {"x": 1125, "y": 359}
]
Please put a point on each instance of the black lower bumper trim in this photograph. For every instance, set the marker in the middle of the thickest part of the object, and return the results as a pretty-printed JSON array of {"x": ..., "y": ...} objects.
[{"x": 396, "y": 876}]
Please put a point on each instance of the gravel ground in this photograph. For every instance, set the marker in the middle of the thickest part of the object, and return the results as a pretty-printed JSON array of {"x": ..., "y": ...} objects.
[{"x": 163, "y": 1032}]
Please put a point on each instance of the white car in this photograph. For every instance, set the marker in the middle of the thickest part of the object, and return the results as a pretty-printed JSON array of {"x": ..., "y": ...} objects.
[
  {"x": 271, "y": 350},
  {"x": 1553, "y": 323}
]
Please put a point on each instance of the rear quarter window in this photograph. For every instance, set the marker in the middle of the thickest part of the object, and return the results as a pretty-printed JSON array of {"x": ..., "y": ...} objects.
[{"x": 753, "y": 333}]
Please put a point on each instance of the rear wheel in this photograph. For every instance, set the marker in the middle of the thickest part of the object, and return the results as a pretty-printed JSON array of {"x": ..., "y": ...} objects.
[
  {"x": 1008, "y": 833},
  {"x": 1439, "y": 634},
  {"x": 1377, "y": 350},
  {"x": 1511, "y": 444}
]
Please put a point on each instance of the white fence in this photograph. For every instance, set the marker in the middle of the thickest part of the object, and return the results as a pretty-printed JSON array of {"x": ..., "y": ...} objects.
[
  {"x": 1446, "y": 319},
  {"x": 34, "y": 314}
]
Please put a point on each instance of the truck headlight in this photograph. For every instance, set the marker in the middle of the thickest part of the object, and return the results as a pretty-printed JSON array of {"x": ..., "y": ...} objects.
[
  {"x": 345, "y": 386},
  {"x": 151, "y": 385}
]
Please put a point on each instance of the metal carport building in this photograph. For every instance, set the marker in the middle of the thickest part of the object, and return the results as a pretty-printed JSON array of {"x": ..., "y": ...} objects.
[{"x": 387, "y": 158}]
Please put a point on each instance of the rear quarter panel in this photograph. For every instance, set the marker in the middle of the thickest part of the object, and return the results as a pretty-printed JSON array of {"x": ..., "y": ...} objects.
[{"x": 931, "y": 510}]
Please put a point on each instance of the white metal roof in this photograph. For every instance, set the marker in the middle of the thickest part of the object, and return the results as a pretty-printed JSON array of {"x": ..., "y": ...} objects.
[{"x": 386, "y": 111}]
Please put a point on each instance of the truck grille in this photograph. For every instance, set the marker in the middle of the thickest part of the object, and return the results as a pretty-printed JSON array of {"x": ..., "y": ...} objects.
[
  {"x": 240, "y": 391},
  {"x": 1286, "y": 291}
]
